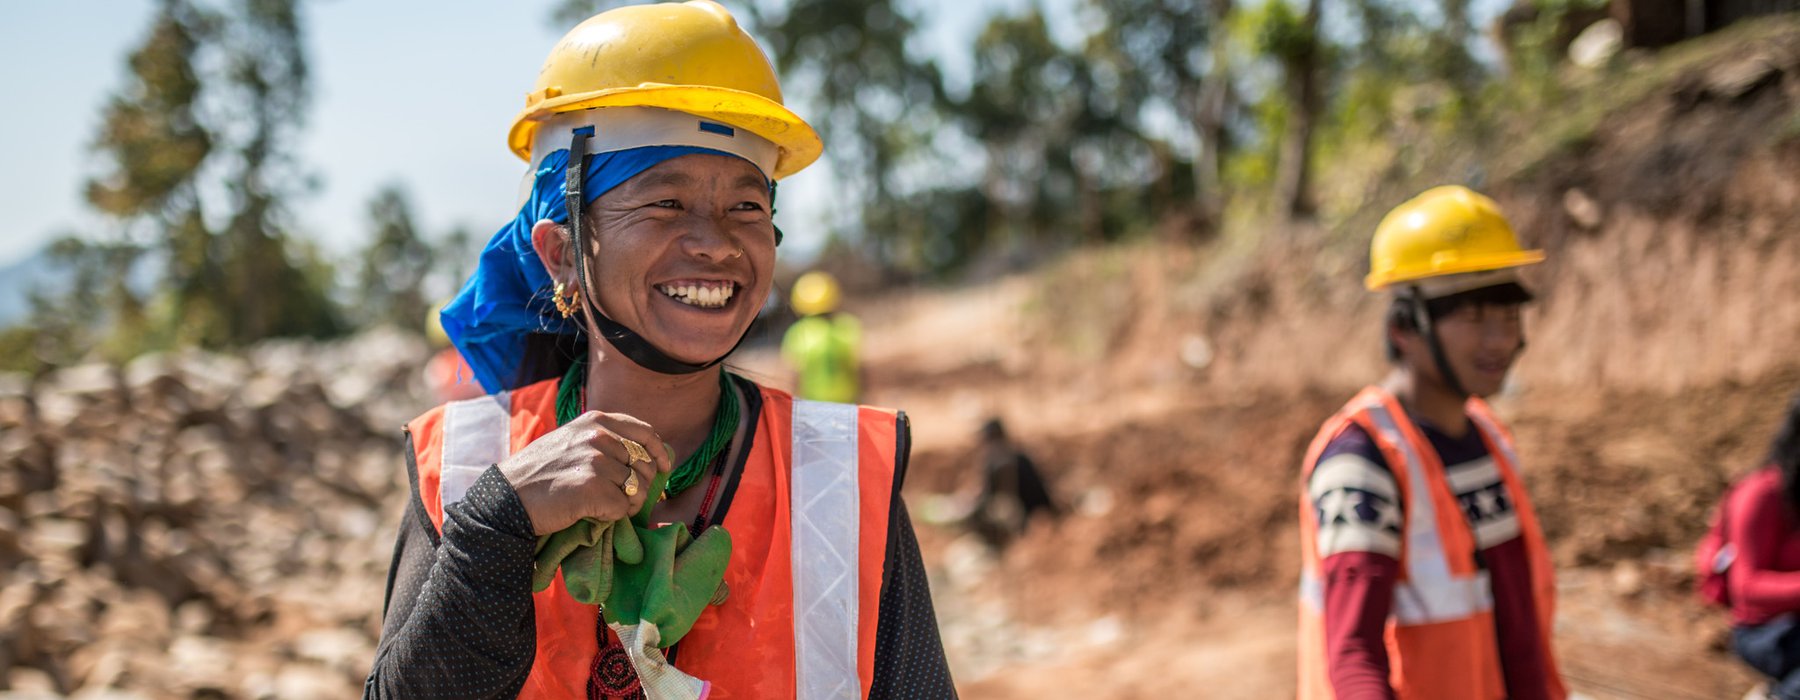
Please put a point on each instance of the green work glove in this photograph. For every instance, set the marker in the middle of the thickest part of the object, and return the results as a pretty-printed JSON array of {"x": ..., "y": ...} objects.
[
  {"x": 674, "y": 582},
  {"x": 674, "y": 579},
  {"x": 585, "y": 551},
  {"x": 635, "y": 572}
]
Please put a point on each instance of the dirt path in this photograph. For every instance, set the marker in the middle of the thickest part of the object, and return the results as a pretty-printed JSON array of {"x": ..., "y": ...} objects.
[{"x": 1241, "y": 645}]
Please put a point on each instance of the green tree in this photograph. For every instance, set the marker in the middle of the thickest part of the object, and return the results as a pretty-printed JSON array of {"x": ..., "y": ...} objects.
[
  {"x": 395, "y": 266},
  {"x": 1284, "y": 75},
  {"x": 1168, "y": 55},
  {"x": 153, "y": 147},
  {"x": 1027, "y": 108},
  {"x": 72, "y": 324},
  {"x": 150, "y": 130},
  {"x": 266, "y": 91},
  {"x": 876, "y": 106},
  {"x": 213, "y": 98},
  {"x": 1296, "y": 43},
  {"x": 1449, "y": 54}
]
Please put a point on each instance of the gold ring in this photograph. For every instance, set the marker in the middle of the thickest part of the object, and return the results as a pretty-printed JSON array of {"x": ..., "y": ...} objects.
[
  {"x": 631, "y": 485},
  {"x": 634, "y": 450}
]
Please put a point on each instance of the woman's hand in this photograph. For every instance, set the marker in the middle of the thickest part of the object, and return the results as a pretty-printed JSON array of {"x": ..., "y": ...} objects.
[{"x": 579, "y": 470}]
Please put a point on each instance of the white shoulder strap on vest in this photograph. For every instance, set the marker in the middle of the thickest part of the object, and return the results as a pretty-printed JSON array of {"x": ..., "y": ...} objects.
[
  {"x": 1430, "y": 593},
  {"x": 1496, "y": 436},
  {"x": 477, "y": 433},
  {"x": 825, "y": 507}
]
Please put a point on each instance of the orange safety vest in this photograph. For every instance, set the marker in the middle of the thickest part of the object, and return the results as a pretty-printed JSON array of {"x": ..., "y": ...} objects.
[
  {"x": 808, "y": 524},
  {"x": 1440, "y": 634}
]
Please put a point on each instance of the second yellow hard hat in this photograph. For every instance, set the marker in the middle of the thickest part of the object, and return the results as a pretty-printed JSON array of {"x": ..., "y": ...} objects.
[
  {"x": 815, "y": 292},
  {"x": 1444, "y": 231}
]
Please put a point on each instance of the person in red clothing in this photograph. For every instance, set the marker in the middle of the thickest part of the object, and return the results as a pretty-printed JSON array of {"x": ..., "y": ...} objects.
[
  {"x": 1424, "y": 572},
  {"x": 1762, "y": 523}
]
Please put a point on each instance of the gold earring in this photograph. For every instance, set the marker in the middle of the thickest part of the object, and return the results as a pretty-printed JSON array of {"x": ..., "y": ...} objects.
[{"x": 566, "y": 305}]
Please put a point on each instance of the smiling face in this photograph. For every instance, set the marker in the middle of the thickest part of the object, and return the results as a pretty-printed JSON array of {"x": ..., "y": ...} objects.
[
  {"x": 683, "y": 253},
  {"x": 1480, "y": 342}
]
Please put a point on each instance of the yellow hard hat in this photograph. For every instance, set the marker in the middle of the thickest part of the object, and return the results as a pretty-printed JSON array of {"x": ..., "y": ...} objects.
[
  {"x": 1444, "y": 231},
  {"x": 815, "y": 292},
  {"x": 690, "y": 57}
]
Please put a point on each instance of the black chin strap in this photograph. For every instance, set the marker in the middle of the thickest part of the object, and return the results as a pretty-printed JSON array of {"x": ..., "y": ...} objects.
[
  {"x": 1422, "y": 320},
  {"x": 626, "y": 340}
]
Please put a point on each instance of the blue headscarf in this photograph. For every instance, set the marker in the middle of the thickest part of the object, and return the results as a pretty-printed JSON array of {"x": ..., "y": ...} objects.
[{"x": 509, "y": 296}]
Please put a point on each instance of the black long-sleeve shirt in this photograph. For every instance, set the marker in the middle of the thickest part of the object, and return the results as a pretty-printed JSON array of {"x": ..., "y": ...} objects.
[{"x": 458, "y": 618}]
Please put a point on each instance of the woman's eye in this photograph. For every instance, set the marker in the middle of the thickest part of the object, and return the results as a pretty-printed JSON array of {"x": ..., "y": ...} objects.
[
  {"x": 747, "y": 206},
  {"x": 666, "y": 204}
]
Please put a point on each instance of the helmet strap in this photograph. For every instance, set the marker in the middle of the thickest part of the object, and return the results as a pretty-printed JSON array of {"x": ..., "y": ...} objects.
[
  {"x": 627, "y": 341},
  {"x": 1421, "y": 314},
  {"x": 772, "y": 210}
]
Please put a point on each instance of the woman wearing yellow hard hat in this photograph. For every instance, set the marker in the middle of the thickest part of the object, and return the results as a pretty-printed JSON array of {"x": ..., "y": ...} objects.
[
  {"x": 1423, "y": 571},
  {"x": 619, "y": 517}
]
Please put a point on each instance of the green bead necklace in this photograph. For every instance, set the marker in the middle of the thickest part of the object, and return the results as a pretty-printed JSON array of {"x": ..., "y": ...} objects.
[{"x": 571, "y": 401}]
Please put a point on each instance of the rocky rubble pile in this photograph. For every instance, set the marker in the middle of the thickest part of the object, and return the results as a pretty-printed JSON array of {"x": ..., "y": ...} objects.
[{"x": 202, "y": 526}]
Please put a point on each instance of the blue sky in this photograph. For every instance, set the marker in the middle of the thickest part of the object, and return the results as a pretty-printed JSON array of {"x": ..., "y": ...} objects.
[{"x": 410, "y": 92}]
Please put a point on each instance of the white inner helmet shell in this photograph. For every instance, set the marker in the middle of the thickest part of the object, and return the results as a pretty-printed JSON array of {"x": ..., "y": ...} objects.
[
  {"x": 1446, "y": 285},
  {"x": 621, "y": 128}
]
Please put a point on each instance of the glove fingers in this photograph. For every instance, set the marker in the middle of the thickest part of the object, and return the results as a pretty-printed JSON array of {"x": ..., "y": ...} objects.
[
  {"x": 627, "y": 544},
  {"x": 587, "y": 573},
  {"x": 636, "y": 576},
  {"x": 684, "y": 590},
  {"x": 541, "y": 576},
  {"x": 553, "y": 548},
  {"x": 700, "y": 569}
]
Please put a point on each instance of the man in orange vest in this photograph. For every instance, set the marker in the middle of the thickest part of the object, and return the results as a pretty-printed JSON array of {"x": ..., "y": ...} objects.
[
  {"x": 538, "y": 557},
  {"x": 1424, "y": 573}
]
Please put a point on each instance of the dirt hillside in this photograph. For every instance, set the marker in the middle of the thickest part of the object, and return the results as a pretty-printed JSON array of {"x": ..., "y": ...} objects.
[{"x": 1171, "y": 391}]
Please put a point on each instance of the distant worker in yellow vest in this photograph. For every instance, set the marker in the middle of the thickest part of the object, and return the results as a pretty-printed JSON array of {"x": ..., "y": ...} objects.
[
  {"x": 1424, "y": 574},
  {"x": 825, "y": 345}
]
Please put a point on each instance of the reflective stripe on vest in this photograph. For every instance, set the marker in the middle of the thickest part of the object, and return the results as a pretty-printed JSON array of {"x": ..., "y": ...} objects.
[
  {"x": 1430, "y": 592},
  {"x": 825, "y": 505},
  {"x": 477, "y": 433},
  {"x": 809, "y": 531}
]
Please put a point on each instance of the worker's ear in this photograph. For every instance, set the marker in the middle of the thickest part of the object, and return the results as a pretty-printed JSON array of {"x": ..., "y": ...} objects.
[
  {"x": 551, "y": 241},
  {"x": 1404, "y": 345}
]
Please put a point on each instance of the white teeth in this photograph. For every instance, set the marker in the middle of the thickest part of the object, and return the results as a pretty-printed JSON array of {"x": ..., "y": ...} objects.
[{"x": 697, "y": 295}]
